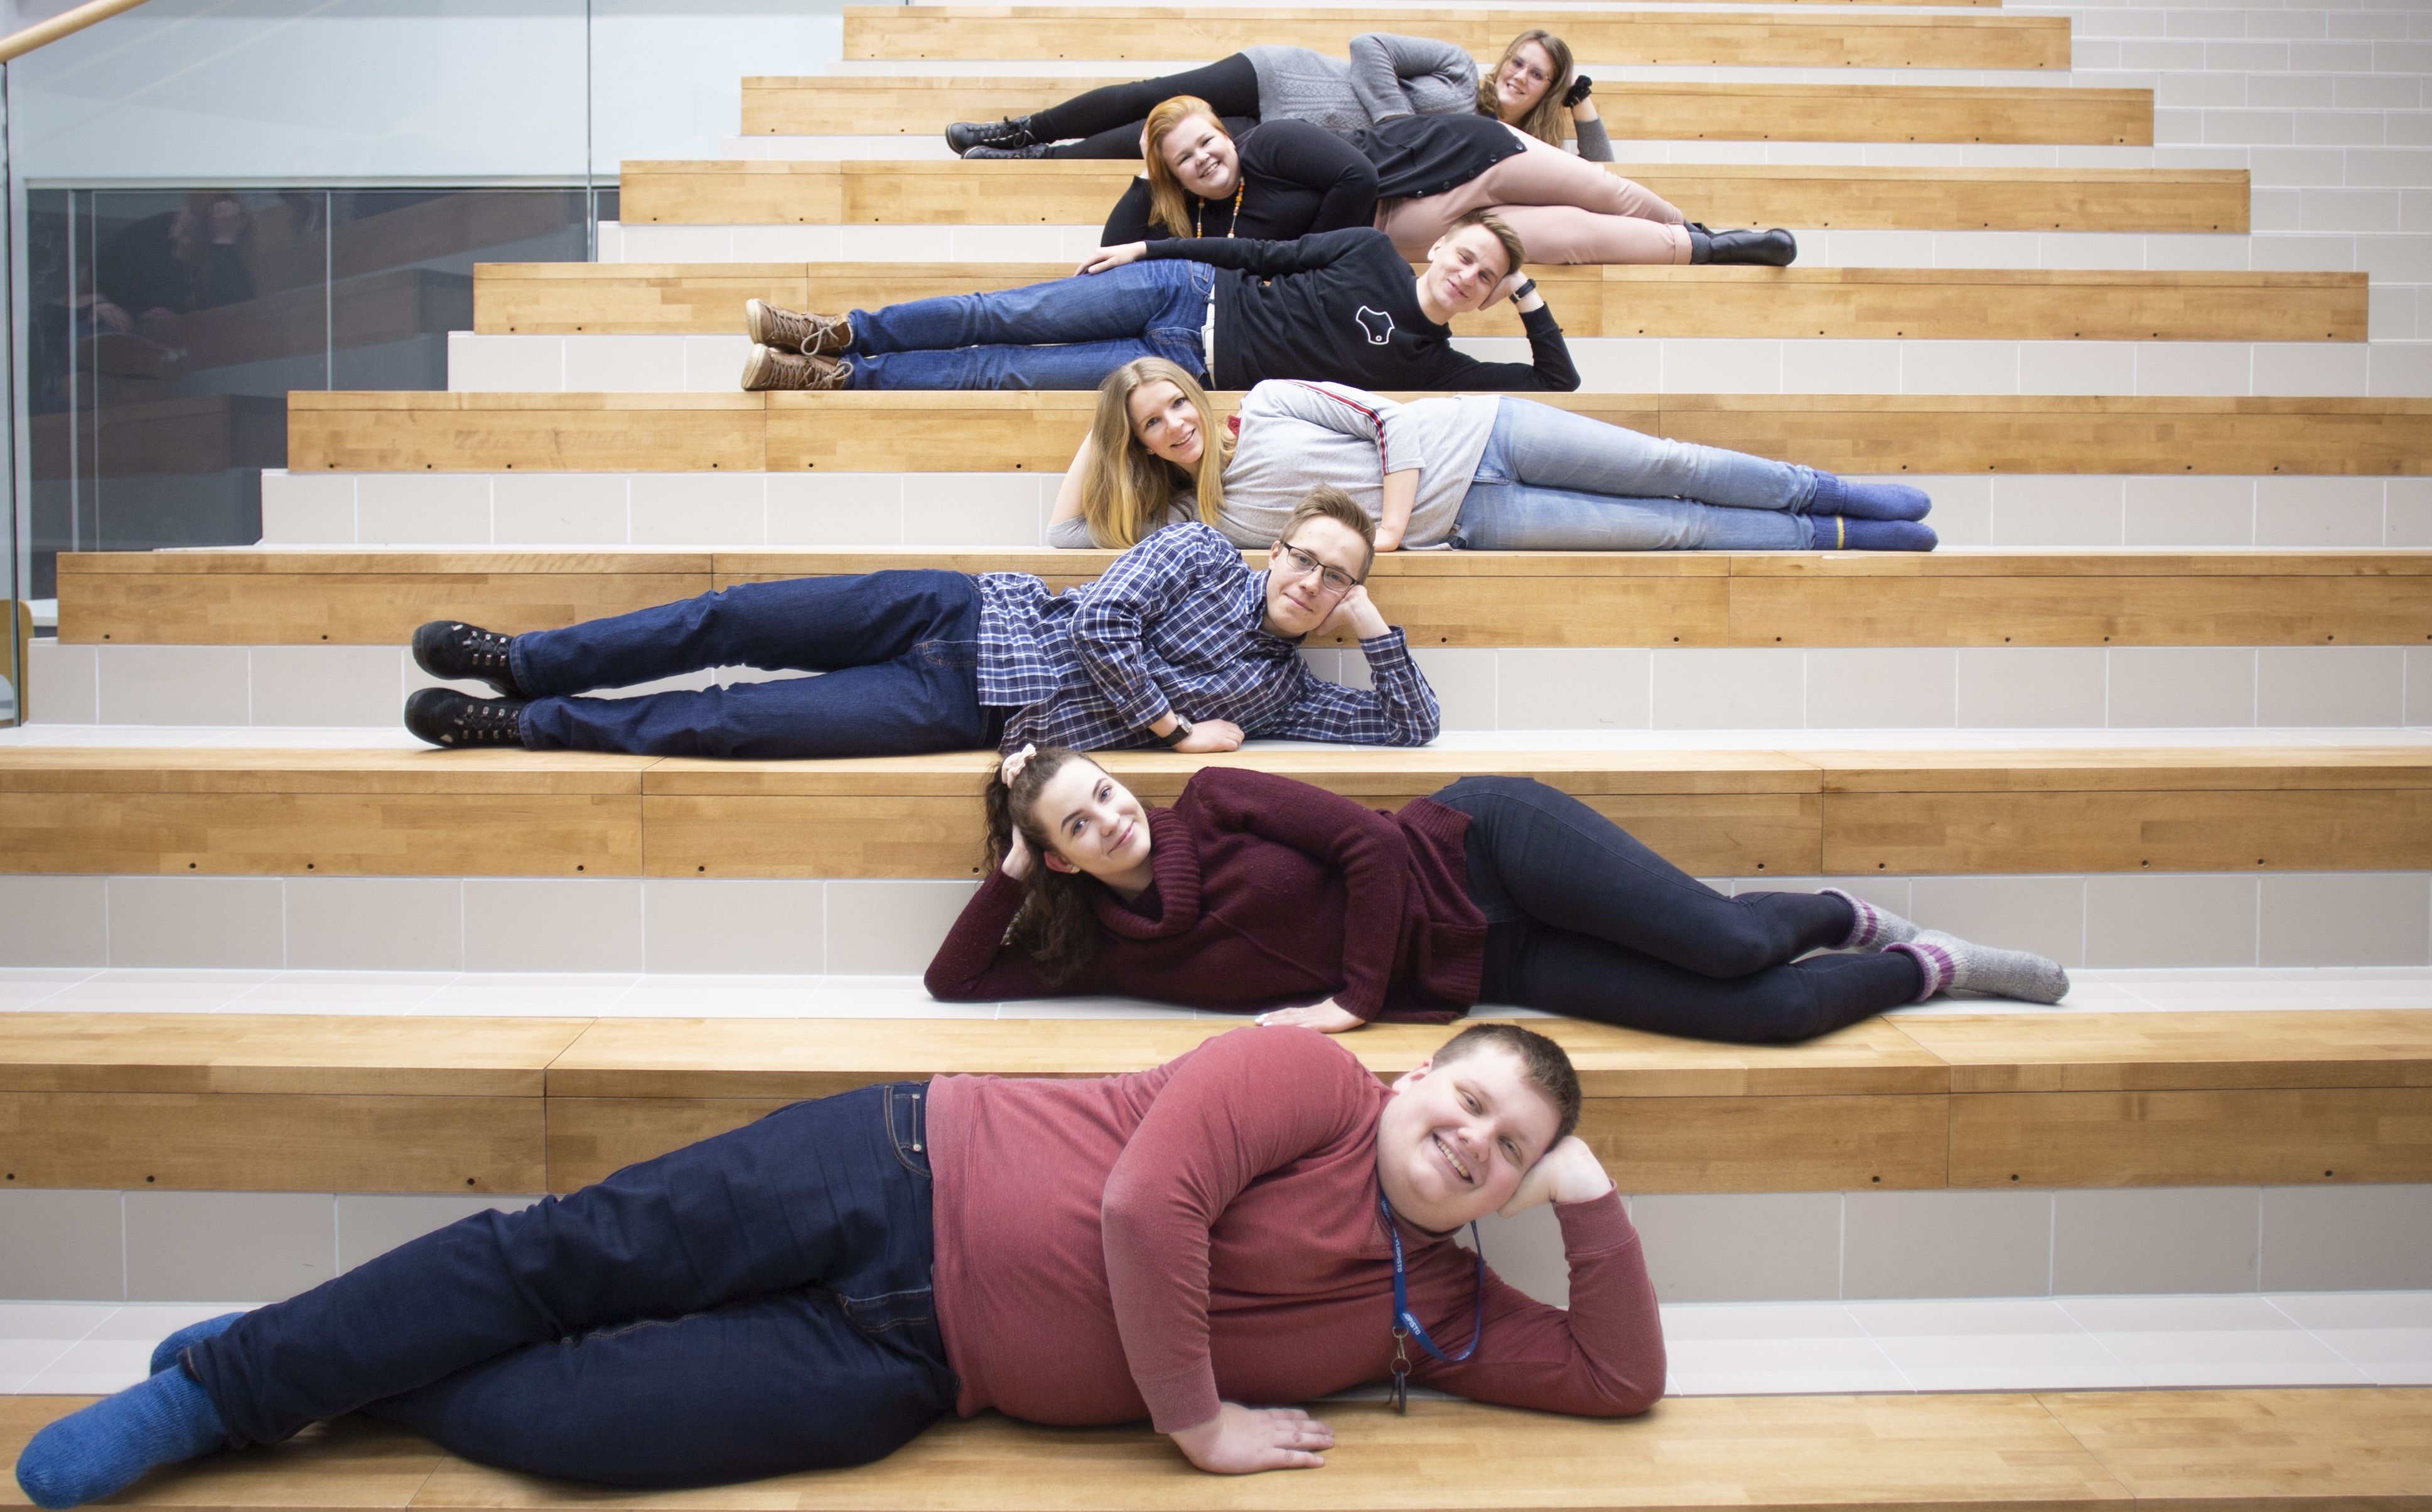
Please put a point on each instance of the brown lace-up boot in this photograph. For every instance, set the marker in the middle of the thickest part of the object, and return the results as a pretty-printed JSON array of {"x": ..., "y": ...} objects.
[
  {"x": 768, "y": 368},
  {"x": 796, "y": 330}
]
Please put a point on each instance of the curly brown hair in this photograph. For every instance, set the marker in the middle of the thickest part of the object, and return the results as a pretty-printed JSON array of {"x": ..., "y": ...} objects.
[{"x": 1056, "y": 924}]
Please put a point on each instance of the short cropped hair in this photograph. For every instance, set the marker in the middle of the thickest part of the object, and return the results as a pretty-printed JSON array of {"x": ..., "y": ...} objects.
[
  {"x": 1513, "y": 250},
  {"x": 1328, "y": 502},
  {"x": 1542, "y": 1061}
]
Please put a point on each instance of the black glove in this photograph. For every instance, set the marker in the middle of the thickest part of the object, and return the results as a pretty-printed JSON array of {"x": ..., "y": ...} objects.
[{"x": 1581, "y": 89}]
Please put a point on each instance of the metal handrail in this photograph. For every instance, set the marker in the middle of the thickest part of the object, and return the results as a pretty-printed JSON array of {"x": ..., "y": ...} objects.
[{"x": 66, "y": 23}]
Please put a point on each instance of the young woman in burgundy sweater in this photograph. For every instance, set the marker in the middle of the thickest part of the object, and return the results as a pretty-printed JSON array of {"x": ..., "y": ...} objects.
[
  {"x": 1259, "y": 894},
  {"x": 812, "y": 1290}
]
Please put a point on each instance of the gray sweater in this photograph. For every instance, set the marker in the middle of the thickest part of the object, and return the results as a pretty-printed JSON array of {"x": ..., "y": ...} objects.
[
  {"x": 1387, "y": 75},
  {"x": 1295, "y": 435}
]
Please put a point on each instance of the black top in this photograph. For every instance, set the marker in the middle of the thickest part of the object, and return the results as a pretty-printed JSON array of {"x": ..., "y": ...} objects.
[
  {"x": 1417, "y": 155},
  {"x": 1342, "y": 308},
  {"x": 1302, "y": 177}
]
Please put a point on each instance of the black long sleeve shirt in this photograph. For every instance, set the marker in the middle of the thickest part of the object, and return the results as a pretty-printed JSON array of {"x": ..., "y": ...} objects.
[
  {"x": 1342, "y": 308},
  {"x": 1416, "y": 155},
  {"x": 1302, "y": 178}
]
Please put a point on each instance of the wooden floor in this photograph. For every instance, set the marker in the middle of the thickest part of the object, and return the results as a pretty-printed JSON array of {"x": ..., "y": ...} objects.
[
  {"x": 386, "y": 812},
  {"x": 1690, "y": 598},
  {"x": 925, "y": 432},
  {"x": 295, "y": 1102},
  {"x": 2246, "y": 1450},
  {"x": 762, "y": 191},
  {"x": 1918, "y": 304},
  {"x": 1645, "y": 110}
]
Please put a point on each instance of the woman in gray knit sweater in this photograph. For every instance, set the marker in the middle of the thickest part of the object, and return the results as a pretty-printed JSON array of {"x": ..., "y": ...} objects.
[
  {"x": 1480, "y": 472},
  {"x": 1535, "y": 87}
]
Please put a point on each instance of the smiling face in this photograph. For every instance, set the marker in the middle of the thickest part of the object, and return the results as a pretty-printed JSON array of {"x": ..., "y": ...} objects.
[
  {"x": 1298, "y": 599},
  {"x": 1202, "y": 156},
  {"x": 1464, "y": 269},
  {"x": 1166, "y": 424},
  {"x": 1455, "y": 1140},
  {"x": 1522, "y": 80},
  {"x": 1096, "y": 826}
]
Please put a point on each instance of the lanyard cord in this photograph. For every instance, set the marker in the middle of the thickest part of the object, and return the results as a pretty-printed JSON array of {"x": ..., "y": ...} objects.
[
  {"x": 1199, "y": 216},
  {"x": 1404, "y": 1321}
]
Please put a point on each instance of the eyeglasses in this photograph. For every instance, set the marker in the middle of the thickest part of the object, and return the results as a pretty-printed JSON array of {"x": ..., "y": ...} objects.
[{"x": 1338, "y": 583}]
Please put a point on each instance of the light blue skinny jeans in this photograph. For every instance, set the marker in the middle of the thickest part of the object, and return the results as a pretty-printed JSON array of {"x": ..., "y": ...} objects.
[{"x": 1551, "y": 480}]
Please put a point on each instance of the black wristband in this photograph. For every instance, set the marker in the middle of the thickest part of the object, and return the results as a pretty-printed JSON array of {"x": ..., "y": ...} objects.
[
  {"x": 1180, "y": 732},
  {"x": 1528, "y": 287}
]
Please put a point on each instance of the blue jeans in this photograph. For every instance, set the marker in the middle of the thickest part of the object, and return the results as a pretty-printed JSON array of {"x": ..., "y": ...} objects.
[
  {"x": 1584, "y": 920},
  {"x": 900, "y": 651},
  {"x": 753, "y": 1304},
  {"x": 1067, "y": 334},
  {"x": 1551, "y": 480}
]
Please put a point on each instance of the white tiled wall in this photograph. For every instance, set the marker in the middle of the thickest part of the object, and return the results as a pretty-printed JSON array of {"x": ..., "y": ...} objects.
[
  {"x": 862, "y": 927},
  {"x": 949, "y": 508},
  {"x": 1615, "y": 688},
  {"x": 149, "y": 1246}
]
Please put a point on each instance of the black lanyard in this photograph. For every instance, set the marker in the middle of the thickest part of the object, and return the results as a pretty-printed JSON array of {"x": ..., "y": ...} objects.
[{"x": 1406, "y": 1324}]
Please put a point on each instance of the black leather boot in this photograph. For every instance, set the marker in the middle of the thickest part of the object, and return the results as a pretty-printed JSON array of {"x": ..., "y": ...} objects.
[
  {"x": 1013, "y": 131},
  {"x": 1776, "y": 248}
]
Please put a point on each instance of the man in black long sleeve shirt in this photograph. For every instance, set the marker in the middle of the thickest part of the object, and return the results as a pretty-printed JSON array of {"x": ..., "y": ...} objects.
[{"x": 1342, "y": 307}]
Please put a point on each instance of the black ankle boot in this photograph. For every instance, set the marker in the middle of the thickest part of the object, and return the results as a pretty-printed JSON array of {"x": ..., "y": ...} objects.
[
  {"x": 1037, "y": 149},
  {"x": 466, "y": 653},
  {"x": 1776, "y": 248},
  {"x": 446, "y": 717},
  {"x": 1013, "y": 131}
]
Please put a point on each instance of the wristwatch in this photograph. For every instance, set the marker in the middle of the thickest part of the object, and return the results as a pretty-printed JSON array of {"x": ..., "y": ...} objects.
[
  {"x": 1180, "y": 732},
  {"x": 1528, "y": 287}
]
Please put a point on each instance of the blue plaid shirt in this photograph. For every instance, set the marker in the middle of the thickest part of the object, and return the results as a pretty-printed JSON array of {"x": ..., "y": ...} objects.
[{"x": 1175, "y": 624}]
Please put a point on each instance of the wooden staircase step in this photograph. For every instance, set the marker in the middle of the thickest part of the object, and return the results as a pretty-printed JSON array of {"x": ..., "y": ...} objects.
[
  {"x": 1471, "y": 599},
  {"x": 1833, "y": 38},
  {"x": 1638, "y": 111},
  {"x": 1915, "y": 303},
  {"x": 289, "y": 1102},
  {"x": 923, "y": 432},
  {"x": 1738, "y": 813},
  {"x": 762, "y": 191}
]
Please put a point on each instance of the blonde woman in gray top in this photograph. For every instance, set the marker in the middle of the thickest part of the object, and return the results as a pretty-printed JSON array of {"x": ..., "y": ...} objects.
[{"x": 1480, "y": 472}]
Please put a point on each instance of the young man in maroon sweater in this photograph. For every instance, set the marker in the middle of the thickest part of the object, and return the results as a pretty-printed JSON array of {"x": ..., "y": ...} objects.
[{"x": 1180, "y": 1244}]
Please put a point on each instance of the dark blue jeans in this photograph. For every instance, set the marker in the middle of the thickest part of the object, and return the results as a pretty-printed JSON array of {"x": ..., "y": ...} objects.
[
  {"x": 1585, "y": 921},
  {"x": 752, "y": 1305},
  {"x": 1067, "y": 334},
  {"x": 900, "y": 651}
]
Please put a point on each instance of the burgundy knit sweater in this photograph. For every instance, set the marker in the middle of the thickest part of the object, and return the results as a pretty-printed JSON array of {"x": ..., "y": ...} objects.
[{"x": 1269, "y": 893}]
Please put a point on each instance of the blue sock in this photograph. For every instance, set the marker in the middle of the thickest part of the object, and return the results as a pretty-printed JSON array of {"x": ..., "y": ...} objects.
[
  {"x": 107, "y": 1447},
  {"x": 1835, "y": 494},
  {"x": 165, "y": 1355},
  {"x": 1838, "y": 532}
]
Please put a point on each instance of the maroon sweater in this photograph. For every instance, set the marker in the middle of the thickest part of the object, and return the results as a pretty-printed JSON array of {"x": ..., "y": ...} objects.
[
  {"x": 1269, "y": 893},
  {"x": 1143, "y": 1246}
]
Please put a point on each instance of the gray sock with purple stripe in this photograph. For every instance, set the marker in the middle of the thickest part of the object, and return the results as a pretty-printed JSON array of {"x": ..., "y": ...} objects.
[
  {"x": 1950, "y": 964},
  {"x": 1874, "y": 928}
]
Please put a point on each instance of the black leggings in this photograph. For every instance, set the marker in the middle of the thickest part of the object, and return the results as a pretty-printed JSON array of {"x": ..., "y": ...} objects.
[
  {"x": 1108, "y": 119},
  {"x": 1587, "y": 922}
]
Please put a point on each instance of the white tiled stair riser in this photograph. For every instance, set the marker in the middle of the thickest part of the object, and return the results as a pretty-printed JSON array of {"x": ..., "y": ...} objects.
[
  {"x": 1588, "y": 693},
  {"x": 961, "y": 510},
  {"x": 660, "y": 364},
  {"x": 153, "y": 1246},
  {"x": 2300, "y": 923}
]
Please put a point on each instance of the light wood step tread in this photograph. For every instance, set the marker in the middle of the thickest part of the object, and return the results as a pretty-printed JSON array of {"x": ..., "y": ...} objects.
[
  {"x": 1638, "y": 111},
  {"x": 392, "y": 431},
  {"x": 1923, "y": 1102},
  {"x": 1465, "y": 598},
  {"x": 893, "y": 192},
  {"x": 1916, "y": 303},
  {"x": 1833, "y": 37},
  {"x": 2253, "y": 1450},
  {"x": 238, "y": 812}
]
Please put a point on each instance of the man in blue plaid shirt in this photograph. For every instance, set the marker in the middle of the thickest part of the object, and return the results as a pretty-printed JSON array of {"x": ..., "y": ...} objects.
[{"x": 1179, "y": 644}]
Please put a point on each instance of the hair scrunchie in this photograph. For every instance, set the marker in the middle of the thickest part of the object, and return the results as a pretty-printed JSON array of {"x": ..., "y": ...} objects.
[{"x": 1012, "y": 765}]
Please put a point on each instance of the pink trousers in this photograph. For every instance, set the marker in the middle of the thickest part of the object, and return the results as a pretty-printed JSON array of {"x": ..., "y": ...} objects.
[{"x": 1565, "y": 208}]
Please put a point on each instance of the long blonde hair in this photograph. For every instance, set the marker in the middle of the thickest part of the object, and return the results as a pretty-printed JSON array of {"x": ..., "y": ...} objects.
[
  {"x": 1169, "y": 203},
  {"x": 1546, "y": 118},
  {"x": 1128, "y": 488}
]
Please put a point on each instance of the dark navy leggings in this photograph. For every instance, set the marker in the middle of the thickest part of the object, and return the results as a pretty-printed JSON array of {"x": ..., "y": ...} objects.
[
  {"x": 753, "y": 1304},
  {"x": 1108, "y": 119},
  {"x": 1585, "y": 921}
]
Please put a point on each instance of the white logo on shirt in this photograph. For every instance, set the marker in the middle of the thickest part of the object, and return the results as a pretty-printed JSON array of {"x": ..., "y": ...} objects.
[{"x": 1378, "y": 324}]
